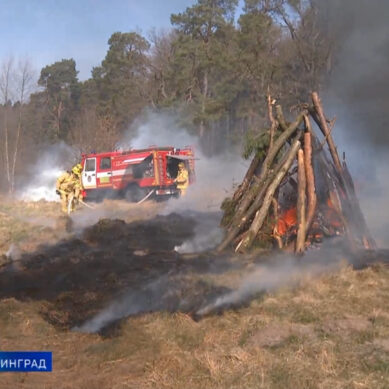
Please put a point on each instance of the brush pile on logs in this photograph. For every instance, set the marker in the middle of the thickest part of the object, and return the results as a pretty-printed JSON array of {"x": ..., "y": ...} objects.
[{"x": 298, "y": 192}]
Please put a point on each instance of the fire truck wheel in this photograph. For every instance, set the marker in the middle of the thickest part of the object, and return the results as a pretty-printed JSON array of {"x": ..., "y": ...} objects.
[{"x": 134, "y": 193}]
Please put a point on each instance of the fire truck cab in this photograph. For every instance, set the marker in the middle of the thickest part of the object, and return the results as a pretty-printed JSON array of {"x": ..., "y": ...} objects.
[{"x": 134, "y": 174}]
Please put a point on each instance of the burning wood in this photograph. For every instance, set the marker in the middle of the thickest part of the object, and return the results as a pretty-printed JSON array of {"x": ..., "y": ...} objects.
[{"x": 311, "y": 190}]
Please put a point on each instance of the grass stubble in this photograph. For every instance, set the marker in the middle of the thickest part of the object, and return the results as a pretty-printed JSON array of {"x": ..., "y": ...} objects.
[{"x": 328, "y": 332}]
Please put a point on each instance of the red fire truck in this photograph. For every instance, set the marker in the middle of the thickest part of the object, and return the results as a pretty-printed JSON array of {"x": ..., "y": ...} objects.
[{"x": 135, "y": 174}]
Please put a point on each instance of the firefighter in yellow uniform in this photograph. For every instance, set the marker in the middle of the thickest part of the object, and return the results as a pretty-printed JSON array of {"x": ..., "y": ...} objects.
[
  {"x": 182, "y": 179},
  {"x": 69, "y": 187}
]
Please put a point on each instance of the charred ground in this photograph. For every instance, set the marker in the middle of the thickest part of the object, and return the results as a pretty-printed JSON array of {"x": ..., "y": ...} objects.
[
  {"x": 80, "y": 275},
  {"x": 329, "y": 332}
]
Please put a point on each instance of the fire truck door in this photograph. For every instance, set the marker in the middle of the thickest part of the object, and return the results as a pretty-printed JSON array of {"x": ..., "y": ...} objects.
[
  {"x": 188, "y": 160},
  {"x": 104, "y": 173},
  {"x": 89, "y": 173}
]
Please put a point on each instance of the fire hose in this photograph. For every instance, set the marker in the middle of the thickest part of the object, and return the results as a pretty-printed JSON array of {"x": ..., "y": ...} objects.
[
  {"x": 87, "y": 205},
  {"x": 70, "y": 203},
  {"x": 146, "y": 197},
  {"x": 71, "y": 200}
]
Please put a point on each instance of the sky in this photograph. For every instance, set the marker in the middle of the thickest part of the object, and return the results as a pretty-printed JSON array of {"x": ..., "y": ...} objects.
[{"x": 46, "y": 31}]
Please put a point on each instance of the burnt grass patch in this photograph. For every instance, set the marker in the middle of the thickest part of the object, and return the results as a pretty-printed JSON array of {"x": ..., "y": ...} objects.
[
  {"x": 128, "y": 269},
  {"x": 111, "y": 260}
]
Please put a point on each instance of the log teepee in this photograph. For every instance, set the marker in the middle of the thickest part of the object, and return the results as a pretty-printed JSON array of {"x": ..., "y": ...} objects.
[{"x": 299, "y": 192}]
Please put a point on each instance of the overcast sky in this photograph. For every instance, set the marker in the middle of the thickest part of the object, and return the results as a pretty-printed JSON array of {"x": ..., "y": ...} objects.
[{"x": 46, "y": 31}]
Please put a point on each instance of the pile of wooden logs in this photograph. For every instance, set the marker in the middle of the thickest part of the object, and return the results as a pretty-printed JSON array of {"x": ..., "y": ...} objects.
[{"x": 298, "y": 192}]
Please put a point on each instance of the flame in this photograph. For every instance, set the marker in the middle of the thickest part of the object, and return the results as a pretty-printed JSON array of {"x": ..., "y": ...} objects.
[
  {"x": 331, "y": 214},
  {"x": 286, "y": 221}
]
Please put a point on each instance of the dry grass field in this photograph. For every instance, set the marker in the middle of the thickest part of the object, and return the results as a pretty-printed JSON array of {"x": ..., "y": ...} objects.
[{"x": 328, "y": 332}]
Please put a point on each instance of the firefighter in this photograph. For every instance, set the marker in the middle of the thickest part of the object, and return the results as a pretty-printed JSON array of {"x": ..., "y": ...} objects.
[
  {"x": 69, "y": 187},
  {"x": 182, "y": 179}
]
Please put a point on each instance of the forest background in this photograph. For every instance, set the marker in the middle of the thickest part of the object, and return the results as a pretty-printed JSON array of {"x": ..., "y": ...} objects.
[{"x": 211, "y": 71}]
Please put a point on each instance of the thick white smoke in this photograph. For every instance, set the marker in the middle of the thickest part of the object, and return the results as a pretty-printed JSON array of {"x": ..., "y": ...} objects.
[{"x": 39, "y": 182}]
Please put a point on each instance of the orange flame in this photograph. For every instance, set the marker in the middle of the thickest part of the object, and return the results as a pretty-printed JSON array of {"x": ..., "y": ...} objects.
[
  {"x": 288, "y": 218},
  {"x": 286, "y": 221}
]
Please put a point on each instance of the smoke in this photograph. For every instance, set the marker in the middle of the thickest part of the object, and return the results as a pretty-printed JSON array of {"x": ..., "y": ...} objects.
[
  {"x": 357, "y": 93},
  {"x": 112, "y": 209},
  {"x": 39, "y": 181},
  {"x": 280, "y": 271},
  {"x": 214, "y": 180},
  {"x": 13, "y": 253},
  {"x": 360, "y": 78},
  {"x": 154, "y": 129},
  {"x": 207, "y": 233},
  {"x": 179, "y": 293},
  {"x": 215, "y": 175},
  {"x": 374, "y": 200},
  {"x": 130, "y": 304}
]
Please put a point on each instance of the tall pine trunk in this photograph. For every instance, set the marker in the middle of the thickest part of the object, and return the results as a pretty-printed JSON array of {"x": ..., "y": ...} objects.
[{"x": 204, "y": 97}]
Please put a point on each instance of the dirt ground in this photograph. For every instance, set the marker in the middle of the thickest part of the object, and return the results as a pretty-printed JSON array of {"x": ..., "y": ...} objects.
[{"x": 116, "y": 302}]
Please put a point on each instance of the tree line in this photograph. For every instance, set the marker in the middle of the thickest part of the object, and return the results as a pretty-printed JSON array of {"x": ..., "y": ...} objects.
[{"x": 213, "y": 69}]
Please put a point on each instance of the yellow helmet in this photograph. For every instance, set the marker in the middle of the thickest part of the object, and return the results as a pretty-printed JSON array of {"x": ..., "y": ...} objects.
[
  {"x": 76, "y": 169},
  {"x": 181, "y": 164}
]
